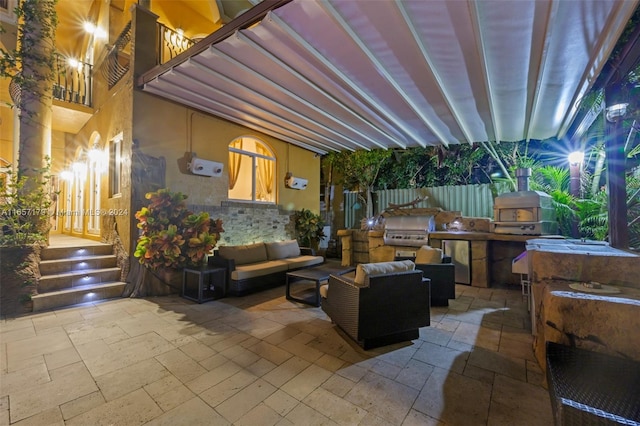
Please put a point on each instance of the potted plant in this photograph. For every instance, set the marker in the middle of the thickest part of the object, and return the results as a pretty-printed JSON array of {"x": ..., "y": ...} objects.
[
  {"x": 309, "y": 228},
  {"x": 172, "y": 237}
]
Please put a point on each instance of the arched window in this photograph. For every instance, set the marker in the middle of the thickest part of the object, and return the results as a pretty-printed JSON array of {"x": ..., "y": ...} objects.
[{"x": 252, "y": 170}]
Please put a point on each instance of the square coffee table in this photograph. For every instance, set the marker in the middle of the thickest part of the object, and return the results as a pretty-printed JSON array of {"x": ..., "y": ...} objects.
[{"x": 317, "y": 274}]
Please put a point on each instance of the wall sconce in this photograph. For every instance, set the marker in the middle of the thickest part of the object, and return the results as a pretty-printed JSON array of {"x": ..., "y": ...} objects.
[
  {"x": 99, "y": 158},
  {"x": 617, "y": 101},
  {"x": 66, "y": 175},
  {"x": 616, "y": 112},
  {"x": 94, "y": 30},
  {"x": 79, "y": 170}
]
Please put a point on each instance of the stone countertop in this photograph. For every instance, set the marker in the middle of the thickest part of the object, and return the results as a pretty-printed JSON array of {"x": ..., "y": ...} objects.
[
  {"x": 486, "y": 236},
  {"x": 627, "y": 295},
  {"x": 570, "y": 246}
]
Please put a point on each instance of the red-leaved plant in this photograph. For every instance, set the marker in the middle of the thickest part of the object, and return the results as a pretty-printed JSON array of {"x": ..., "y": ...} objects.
[{"x": 172, "y": 236}]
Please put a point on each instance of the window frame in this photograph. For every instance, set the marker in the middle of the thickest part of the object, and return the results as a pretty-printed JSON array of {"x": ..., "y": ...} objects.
[{"x": 254, "y": 156}]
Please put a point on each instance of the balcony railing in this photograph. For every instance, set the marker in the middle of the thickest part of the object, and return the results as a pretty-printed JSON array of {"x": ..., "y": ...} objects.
[
  {"x": 171, "y": 43},
  {"x": 73, "y": 81},
  {"x": 118, "y": 59}
]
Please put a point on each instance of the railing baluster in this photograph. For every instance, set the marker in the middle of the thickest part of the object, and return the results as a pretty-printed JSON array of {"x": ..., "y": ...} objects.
[
  {"x": 72, "y": 84},
  {"x": 171, "y": 43}
]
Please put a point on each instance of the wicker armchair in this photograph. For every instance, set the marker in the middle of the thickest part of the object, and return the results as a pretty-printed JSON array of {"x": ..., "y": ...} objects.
[
  {"x": 441, "y": 271},
  {"x": 389, "y": 309}
]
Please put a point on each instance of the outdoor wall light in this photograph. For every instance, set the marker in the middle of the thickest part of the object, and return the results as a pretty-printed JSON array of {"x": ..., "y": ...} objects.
[
  {"x": 617, "y": 111},
  {"x": 74, "y": 63},
  {"x": 89, "y": 27},
  {"x": 66, "y": 175},
  {"x": 96, "y": 31},
  {"x": 79, "y": 169},
  {"x": 576, "y": 157}
]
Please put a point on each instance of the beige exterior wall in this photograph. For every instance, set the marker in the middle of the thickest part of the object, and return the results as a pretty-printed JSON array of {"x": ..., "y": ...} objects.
[
  {"x": 173, "y": 131},
  {"x": 166, "y": 129}
]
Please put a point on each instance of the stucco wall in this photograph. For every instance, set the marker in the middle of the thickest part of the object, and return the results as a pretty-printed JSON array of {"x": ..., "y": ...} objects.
[
  {"x": 111, "y": 119},
  {"x": 166, "y": 129}
]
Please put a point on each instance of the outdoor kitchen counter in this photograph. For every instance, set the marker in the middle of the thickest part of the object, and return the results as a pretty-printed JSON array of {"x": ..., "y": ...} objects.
[
  {"x": 491, "y": 254},
  {"x": 606, "y": 323},
  {"x": 566, "y": 311}
]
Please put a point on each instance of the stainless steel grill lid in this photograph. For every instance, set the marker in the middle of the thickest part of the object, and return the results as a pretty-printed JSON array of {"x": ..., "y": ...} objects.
[{"x": 408, "y": 230}]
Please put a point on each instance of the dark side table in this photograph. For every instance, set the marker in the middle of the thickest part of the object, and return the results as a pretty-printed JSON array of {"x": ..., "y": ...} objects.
[{"x": 204, "y": 284}]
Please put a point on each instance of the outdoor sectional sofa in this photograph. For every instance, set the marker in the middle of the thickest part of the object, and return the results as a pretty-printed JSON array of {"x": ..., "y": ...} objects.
[{"x": 254, "y": 267}]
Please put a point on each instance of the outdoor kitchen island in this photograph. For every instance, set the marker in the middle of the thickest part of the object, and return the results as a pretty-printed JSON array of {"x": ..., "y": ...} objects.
[
  {"x": 585, "y": 294},
  {"x": 491, "y": 254}
]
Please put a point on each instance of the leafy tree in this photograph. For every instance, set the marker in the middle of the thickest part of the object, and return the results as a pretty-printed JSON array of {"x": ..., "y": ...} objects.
[
  {"x": 24, "y": 215},
  {"x": 359, "y": 171}
]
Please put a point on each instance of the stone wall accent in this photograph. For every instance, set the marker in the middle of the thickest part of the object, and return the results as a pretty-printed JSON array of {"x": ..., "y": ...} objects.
[
  {"x": 378, "y": 251},
  {"x": 246, "y": 223},
  {"x": 355, "y": 246},
  {"x": 20, "y": 275}
]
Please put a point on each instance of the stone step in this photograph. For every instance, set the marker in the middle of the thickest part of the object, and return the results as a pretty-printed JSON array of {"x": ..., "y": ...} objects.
[
  {"x": 55, "y": 282},
  {"x": 78, "y": 294},
  {"x": 67, "y": 252},
  {"x": 58, "y": 266}
]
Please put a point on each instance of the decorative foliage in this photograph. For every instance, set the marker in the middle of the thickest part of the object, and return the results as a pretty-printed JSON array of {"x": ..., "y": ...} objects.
[
  {"x": 172, "y": 236},
  {"x": 25, "y": 202},
  {"x": 309, "y": 228},
  {"x": 29, "y": 65}
]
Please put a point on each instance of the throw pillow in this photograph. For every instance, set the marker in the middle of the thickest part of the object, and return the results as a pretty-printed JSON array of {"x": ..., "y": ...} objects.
[
  {"x": 364, "y": 270},
  {"x": 250, "y": 253},
  {"x": 428, "y": 254},
  {"x": 282, "y": 249}
]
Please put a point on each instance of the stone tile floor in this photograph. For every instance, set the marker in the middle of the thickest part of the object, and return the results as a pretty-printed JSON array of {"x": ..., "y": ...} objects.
[{"x": 262, "y": 360}]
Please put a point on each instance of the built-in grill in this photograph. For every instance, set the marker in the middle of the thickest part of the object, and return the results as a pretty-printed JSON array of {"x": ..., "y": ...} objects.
[
  {"x": 524, "y": 212},
  {"x": 410, "y": 231}
]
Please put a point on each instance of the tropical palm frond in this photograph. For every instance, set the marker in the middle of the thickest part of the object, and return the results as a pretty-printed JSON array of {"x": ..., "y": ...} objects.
[{"x": 552, "y": 178}]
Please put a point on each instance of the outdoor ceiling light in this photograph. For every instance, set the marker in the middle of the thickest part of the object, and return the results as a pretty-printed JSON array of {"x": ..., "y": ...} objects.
[{"x": 576, "y": 157}]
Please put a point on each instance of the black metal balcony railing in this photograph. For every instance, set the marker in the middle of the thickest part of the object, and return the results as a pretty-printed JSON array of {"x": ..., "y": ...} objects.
[
  {"x": 118, "y": 59},
  {"x": 72, "y": 81},
  {"x": 171, "y": 43}
]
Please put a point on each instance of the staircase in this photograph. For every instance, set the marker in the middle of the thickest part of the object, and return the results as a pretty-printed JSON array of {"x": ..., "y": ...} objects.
[{"x": 85, "y": 271}]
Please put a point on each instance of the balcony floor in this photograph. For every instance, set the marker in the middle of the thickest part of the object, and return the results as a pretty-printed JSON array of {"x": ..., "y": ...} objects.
[{"x": 263, "y": 360}]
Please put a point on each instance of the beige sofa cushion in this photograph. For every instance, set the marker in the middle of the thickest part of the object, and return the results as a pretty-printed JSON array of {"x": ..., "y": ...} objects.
[
  {"x": 428, "y": 254},
  {"x": 303, "y": 261},
  {"x": 364, "y": 270},
  {"x": 254, "y": 270},
  {"x": 282, "y": 249},
  {"x": 250, "y": 253}
]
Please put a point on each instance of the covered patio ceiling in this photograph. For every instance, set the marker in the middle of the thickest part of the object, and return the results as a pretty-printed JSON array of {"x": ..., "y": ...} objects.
[{"x": 332, "y": 75}]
